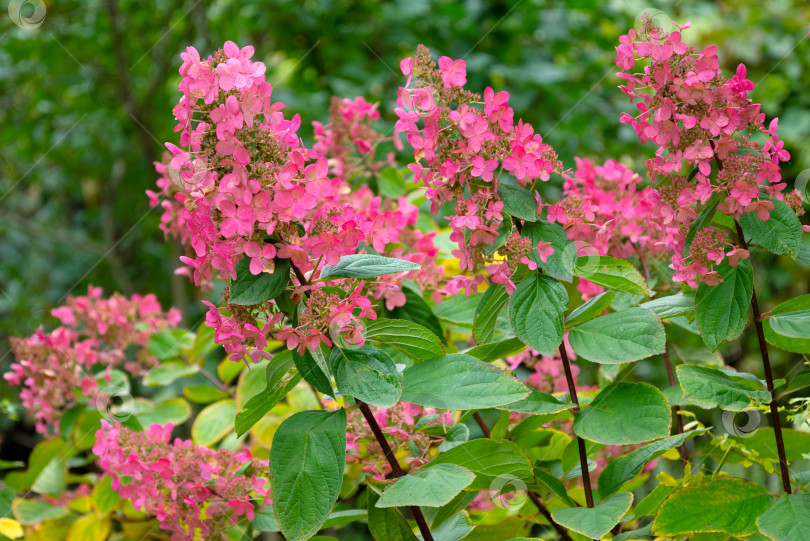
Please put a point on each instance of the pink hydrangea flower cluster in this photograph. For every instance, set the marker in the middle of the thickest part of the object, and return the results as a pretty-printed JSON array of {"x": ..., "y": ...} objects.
[
  {"x": 193, "y": 491},
  {"x": 462, "y": 145},
  {"x": 398, "y": 424},
  {"x": 57, "y": 368},
  {"x": 350, "y": 142},
  {"x": 606, "y": 211},
  {"x": 349, "y": 139},
  {"x": 172, "y": 221},
  {"x": 695, "y": 116},
  {"x": 245, "y": 186}
]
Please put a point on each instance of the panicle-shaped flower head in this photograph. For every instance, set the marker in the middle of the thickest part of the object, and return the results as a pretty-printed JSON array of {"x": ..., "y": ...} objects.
[
  {"x": 55, "y": 369},
  {"x": 194, "y": 492},
  {"x": 606, "y": 210},
  {"x": 249, "y": 198},
  {"x": 467, "y": 150},
  {"x": 698, "y": 118}
]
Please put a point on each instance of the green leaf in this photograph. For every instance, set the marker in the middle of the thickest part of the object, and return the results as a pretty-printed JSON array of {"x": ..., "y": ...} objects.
[
  {"x": 589, "y": 310},
  {"x": 259, "y": 405},
  {"x": 29, "y": 512},
  {"x": 561, "y": 263},
  {"x": 52, "y": 478},
  {"x": 612, "y": 273},
  {"x": 214, "y": 422},
  {"x": 7, "y": 496},
  {"x": 625, "y": 468},
  {"x": 725, "y": 505},
  {"x": 251, "y": 290},
  {"x": 312, "y": 372},
  {"x": 339, "y": 518},
  {"x": 203, "y": 394},
  {"x": 455, "y": 436},
  {"x": 104, "y": 498},
  {"x": 788, "y": 518},
  {"x": 168, "y": 372},
  {"x": 418, "y": 311},
  {"x": 306, "y": 469},
  {"x": 798, "y": 382},
  {"x": 455, "y": 528},
  {"x": 722, "y": 310},
  {"x": 460, "y": 382},
  {"x": 486, "y": 313},
  {"x": 391, "y": 183},
  {"x": 536, "y": 313},
  {"x": 671, "y": 306},
  {"x": 632, "y": 535},
  {"x": 762, "y": 441},
  {"x": 723, "y": 388},
  {"x": 652, "y": 501},
  {"x": 537, "y": 403},
  {"x": 489, "y": 460},
  {"x": 366, "y": 266},
  {"x": 780, "y": 234},
  {"x": 10, "y": 465},
  {"x": 458, "y": 310},
  {"x": 203, "y": 344},
  {"x": 551, "y": 483},
  {"x": 597, "y": 521},
  {"x": 386, "y": 524},
  {"x": 90, "y": 527},
  {"x": 228, "y": 369},
  {"x": 173, "y": 410},
  {"x": 620, "y": 337},
  {"x": 70, "y": 416},
  {"x": 265, "y": 520},
  {"x": 430, "y": 487},
  {"x": 625, "y": 413},
  {"x": 518, "y": 201},
  {"x": 795, "y": 345},
  {"x": 46, "y": 471},
  {"x": 497, "y": 350},
  {"x": 169, "y": 344},
  {"x": 254, "y": 379},
  {"x": 438, "y": 516},
  {"x": 368, "y": 374},
  {"x": 792, "y": 324},
  {"x": 410, "y": 338}
]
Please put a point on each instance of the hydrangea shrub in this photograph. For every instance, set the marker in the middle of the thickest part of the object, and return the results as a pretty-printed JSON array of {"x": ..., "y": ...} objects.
[{"x": 399, "y": 344}]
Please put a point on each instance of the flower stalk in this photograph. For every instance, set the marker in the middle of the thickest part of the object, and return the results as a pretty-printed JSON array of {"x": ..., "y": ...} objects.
[
  {"x": 395, "y": 467},
  {"x": 766, "y": 364},
  {"x": 583, "y": 454}
]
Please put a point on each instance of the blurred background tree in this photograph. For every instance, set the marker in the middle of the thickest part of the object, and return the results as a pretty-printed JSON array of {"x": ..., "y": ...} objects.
[{"x": 87, "y": 99}]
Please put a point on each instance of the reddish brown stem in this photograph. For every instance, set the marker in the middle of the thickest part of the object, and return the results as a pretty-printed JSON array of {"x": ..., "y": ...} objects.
[
  {"x": 395, "y": 467},
  {"x": 378, "y": 434},
  {"x": 583, "y": 454},
  {"x": 482, "y": 425},
  {"x": 766, "y": 364},
  {"x": 302, "y": 280},
  {"x": 543, "y": 511}
]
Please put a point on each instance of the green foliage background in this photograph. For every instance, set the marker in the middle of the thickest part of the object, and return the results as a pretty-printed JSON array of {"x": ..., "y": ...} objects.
[{"x": 87, "y": 97}]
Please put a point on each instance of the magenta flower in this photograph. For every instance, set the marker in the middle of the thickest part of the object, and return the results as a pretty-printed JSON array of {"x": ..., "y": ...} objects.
[
  {"x": 261, "y": 258},
  {"x": 454, "y": 72}
]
